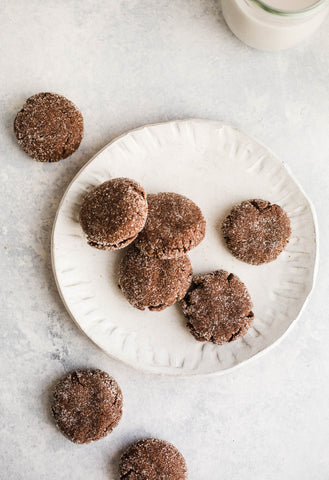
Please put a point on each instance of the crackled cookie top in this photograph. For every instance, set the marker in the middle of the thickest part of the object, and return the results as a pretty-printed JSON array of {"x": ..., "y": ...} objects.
[
  {"x": 153, "y": 283},
  {"x": 256, "y": 231},
  {"x": 217, "y": 307},
  {"x": 113, "y": 213},
  {"x": 152, "y": 459},
  {"x": 49, "y": 127},
  {"x": 87, "y": 405},
  {"x": 174, "y": 226}
]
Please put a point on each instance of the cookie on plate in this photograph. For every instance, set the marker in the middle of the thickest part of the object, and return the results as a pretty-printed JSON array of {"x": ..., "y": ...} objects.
[
  {"x": 256, "y": 231},
  {"x": 174, "y": 226},
  {"x": 49, "y": 127},
  {"x": 152, "y": 459},
  {"x": 86, "y": 405},
  {"x": 217, "y": 307},
  {"x": 113, "y": 213},
  {"x": 153, "y": 283}
]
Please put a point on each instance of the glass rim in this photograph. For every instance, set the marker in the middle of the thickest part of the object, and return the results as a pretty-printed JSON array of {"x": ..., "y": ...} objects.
[{"x": 265, "y": 6}]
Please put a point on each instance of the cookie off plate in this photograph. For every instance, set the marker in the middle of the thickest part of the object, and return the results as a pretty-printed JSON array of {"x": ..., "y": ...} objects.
[{"x": 216, "y": 166}]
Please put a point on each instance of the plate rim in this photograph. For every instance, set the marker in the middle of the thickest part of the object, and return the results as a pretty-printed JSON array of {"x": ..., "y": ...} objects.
[{"x": 245, "y": 361}]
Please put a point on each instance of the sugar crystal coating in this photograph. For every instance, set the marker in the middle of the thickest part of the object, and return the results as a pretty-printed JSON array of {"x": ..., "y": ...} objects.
[
  {"x": 256, "y": 231},
  {"x": 152, "y": 459},
  {"x": 86, "y": 405},
  {"x": 49, "y": 127},
  {"x": 217, "y": 307},
  {"x": 113, "y": 213},
  {"x": 151, "y": 282},
  {"x": 174, "y": 226}
]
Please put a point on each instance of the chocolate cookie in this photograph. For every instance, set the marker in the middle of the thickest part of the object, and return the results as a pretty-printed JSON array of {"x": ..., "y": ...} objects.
[
  {"x": 152, "y": 459},
  {"x": 49, "y": 127},
  {"x": 153, "y": 283},
  {"x": 217, "y": 307},
  {"x": 113, "y": 213},
  {"x": 87, "y": 405},
  {"x": 174, "y": 226},
  {"x": 256, "y": 231}
]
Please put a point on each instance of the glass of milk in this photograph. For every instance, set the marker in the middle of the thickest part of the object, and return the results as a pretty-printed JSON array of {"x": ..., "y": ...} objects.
[{"x": 274, "y": 24}]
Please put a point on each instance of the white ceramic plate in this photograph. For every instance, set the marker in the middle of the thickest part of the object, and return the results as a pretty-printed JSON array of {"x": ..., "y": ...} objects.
[{"x": 216, "y": 166}]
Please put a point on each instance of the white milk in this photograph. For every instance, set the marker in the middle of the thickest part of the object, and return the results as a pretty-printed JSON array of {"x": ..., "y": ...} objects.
[
  {"x": 264, "y": 30},
  {"x": 290, "y": 4}
]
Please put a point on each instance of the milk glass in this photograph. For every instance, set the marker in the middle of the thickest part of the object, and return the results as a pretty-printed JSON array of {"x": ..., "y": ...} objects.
[{"x": 261, "y": 25}]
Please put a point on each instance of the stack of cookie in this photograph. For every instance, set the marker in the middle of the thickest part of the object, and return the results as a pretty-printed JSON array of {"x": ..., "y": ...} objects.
[{"x": 159, "y": 230}]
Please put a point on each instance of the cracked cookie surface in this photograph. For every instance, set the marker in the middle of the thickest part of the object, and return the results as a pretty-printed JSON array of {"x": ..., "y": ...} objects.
[
  {"x": 49, "y": 127},
  {"x": 152, "y": 459},
  {"x": 256, "y": 231},
  {"x": 113, "y": 213},
  {"x": 174, "y": 226},
  {"x": 153, "y": 283},
  {"x": 86, "y": 405},
  {"x": 217, "y": 307}
]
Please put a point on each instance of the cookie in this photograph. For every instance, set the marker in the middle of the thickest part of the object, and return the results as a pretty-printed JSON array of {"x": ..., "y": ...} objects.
[
  {"x": 256, "y": 231},
  {"x": 152, "y": 459},
  {"x": 49, "y": 127},
  {"x": 174, "y": 226},
  {"x": 217, "y": 307},
  {"x": 153, "y": 283},
  {"x": 87, "y": 405},
  {"x": 113, "y": 213}
]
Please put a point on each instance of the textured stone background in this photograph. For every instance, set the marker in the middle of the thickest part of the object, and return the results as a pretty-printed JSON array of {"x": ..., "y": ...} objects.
[{"x": 126, "y": 63}]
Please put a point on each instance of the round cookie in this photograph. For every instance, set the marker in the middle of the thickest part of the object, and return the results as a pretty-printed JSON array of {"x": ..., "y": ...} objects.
[
  {"x": 49, "y": 127},
  {"x": 152, "y": 459},
  {"x": 256, "y": 231},
  {"x": 174, "y": 226},
  {"x": 87, "y": 405},
  {"x": 113, "y": 213},
  {"x": 217, "y": 307},
  {"x": 153, "y": 283}
]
